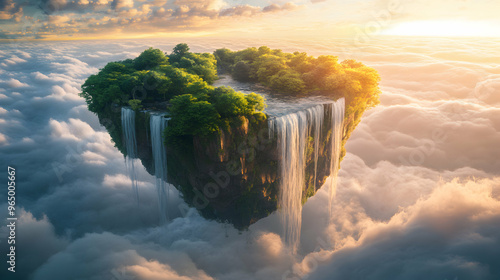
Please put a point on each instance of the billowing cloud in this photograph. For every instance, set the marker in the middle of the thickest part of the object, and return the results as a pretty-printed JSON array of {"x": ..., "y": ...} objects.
[
  {"x": 277, "y": 8},
  {"x": 119, "y": 253},
  {"x": 48, "y": 19},
  {"x": 451, "y": 234},
  {"x": 13, "y": 83},
  {"x": 10, "y": 10},
  {"x": 35, "y": 243},
  {"x": 56, "y": 18},
  {"x": 418, "y": 192},
  {"x": 3, "y": 139},
  {"x": 118, "y": 4}
]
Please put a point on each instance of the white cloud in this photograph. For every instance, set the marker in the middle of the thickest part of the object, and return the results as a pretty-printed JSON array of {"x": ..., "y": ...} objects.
[
  {"x": 27, "y": 140},
  {"x": 3, "y": 139},
  {"x": 13, "y": 83},
  {"x": 66, "y": 92},
  {"x": 431, "y": 237},
  {"x": 24, "y": 54},
  {"x": 391, "y": 214},
  {"x": 119, "y": 4},
  {"x": 14, "y": 60},
  {"x": 74, "y": 129}
]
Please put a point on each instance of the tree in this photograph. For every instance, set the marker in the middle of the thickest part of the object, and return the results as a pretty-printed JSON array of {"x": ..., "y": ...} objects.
[
  {"x": 256, "y": 102},
  {"x": 267, "y": 65},
  {"x": 249, "y": 55},
  {"x": 181, "y": 49},
  {"x": 103, "y": 89},
  {"x": 135, "y": 104},
  {"x": 287, "y": 80},
  {"x": 180, "y": 79},
  {"x": 301, "y": 62},
  {"x": 225, "y": 59},
  {"x": 205, "y": 66},
  {"x": 230, "y": 103},
  {"x": 192, "y": 117},
  {"x": 149, "y": 59},
  {"x": 241, "y": 72}
]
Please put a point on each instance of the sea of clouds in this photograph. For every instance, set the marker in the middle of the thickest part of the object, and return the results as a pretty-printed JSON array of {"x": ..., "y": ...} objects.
[{"x": 418, "y": 194}]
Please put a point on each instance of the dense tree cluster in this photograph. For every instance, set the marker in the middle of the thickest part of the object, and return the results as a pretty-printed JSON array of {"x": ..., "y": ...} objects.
[
  {"x": 183, "y": 79},
  {"x": 298, "y": 73},
  {"x": 203, "y": 114}
]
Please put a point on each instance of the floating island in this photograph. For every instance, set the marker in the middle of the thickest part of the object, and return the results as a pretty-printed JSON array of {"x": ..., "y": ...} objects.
[{"x": 238, "y": 133}]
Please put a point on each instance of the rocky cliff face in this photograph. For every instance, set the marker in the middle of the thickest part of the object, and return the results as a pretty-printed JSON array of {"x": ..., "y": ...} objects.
[{"x": 232, "y": 176}]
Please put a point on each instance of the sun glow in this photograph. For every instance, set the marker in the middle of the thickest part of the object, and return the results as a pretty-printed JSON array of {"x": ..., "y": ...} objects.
[{"x": 444, "y": 28}]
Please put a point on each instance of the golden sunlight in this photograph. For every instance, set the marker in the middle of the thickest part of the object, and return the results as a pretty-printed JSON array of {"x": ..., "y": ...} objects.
[{"x": 444, "y": 28}]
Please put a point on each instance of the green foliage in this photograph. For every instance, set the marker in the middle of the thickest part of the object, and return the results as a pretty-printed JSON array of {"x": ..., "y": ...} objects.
[
  {"x": 104, "y": 89},
  {"x": 249, "y": 55},
  {"x": 225, "y": 60},
  {"x": 242, "y": 71},
  {"x": 135, "y": 104},
  {"x": 206, "y": 112},
  {"x": 149, "y": 59},
  {"x": 298, "y": 73},
  {"x": 256, "y": 102},
  {"x": 230, "y": 103},
  {"x": 150, "y": 78},
  {"x": 180, "y": 49},
  {"x": 266, "y": 66},
  {"x": 182, "y": 79},
  {"x": 191, "y": 116},
  {"x": 287, "y": 80},
  {"x": 204, "y": 65}
]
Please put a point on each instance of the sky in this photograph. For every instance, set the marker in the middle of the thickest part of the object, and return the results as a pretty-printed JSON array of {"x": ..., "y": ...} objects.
[
  {"x": 418, "y": 195},
  {"x": 418, "y": 192},
  {"x": 105, "y": 19}
]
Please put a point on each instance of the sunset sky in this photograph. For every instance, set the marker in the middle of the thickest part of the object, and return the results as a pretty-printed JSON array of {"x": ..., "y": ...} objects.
[
  {"x": 87, "y": 19},
  {"x": 418, "y": 191}
]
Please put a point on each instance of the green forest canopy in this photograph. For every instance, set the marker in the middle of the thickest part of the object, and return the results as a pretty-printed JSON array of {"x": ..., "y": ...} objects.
[
  {"x": 183, "y": 79},
  {"x": 300, "y": 74}
]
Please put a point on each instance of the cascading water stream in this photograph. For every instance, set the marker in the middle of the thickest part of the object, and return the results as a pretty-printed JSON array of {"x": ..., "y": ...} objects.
[
  {"x": 293, "y": 131},
  {"x": 317, "y": 115},
  {"x": 158, "y": 123},
  {"x": 338, "y": 111},
  {"x": 128, "y": 129}
]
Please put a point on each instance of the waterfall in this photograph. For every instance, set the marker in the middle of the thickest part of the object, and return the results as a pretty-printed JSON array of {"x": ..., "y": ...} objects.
[
  {"x": 158, "y": 123},
  {"x": 293, "y": 131},
  {"x": 316, "y": 114},
  {"x": 338, "y": 111},
  {"x": 128, "y": 130}
]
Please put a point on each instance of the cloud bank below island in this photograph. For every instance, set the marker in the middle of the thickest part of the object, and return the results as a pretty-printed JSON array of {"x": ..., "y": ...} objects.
[{"x": 418, "y": 194}]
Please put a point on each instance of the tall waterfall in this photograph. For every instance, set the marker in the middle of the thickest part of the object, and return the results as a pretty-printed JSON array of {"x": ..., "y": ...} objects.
[
  {"x": 128, "y": 129},
  {"x": 338, "y": 111},
  {"x": 293, "y": 131},
  {"x": 317, "y": 115},
  {"x": 158, "y": 123}
]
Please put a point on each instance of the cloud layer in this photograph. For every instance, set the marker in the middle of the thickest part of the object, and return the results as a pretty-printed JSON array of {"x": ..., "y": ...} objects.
[
  {"x": 52, "y": 19},
  {"x": 83, "y": 18},
  {"x": 418, "y": 194}
]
